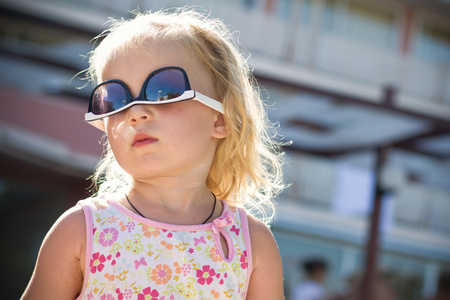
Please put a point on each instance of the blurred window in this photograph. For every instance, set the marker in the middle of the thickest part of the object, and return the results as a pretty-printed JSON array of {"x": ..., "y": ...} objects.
[
  {"x": 361, "y": 21},
  {"x": 370, "y": 24},
  {"x": 283, "y": 8},
  {"x": 306, "y": 12},
  {"x": 434, "y": 43},
  {"x": 418, "y": 206},
  {"x": 332, "y": 13},
  {"x": 287, "y": 9}
]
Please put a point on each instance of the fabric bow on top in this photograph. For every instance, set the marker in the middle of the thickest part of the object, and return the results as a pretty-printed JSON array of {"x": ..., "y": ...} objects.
[
  {"x": 224, "y": 221},
  {"x": 217, "y": 227}
]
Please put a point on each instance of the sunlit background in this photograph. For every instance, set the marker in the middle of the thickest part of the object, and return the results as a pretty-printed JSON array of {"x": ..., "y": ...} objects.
[{"x": 343, "y": 78}]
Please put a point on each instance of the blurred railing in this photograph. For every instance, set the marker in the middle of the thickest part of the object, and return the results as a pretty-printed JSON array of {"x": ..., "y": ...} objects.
[
  {"x": 309, "y": 46},
  {"x": 320, "y": 183}
]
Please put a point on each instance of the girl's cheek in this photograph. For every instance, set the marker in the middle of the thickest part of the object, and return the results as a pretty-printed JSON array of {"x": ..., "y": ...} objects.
[
  {"x": 108, "y": 124},
  {"x": 117, "y": 128}
]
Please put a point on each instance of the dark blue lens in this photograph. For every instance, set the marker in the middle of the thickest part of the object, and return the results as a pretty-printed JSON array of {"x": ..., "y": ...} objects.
[
  {"x": 165, "y": 85},
  {"x": 108, "y": 97}
]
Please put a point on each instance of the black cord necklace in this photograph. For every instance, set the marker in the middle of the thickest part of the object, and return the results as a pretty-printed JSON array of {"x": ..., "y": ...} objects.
[{"x": 214, "y": 207}]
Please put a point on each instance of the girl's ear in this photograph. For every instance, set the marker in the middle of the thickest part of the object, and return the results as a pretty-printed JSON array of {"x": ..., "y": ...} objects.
[{"x": 220, "y": 127}]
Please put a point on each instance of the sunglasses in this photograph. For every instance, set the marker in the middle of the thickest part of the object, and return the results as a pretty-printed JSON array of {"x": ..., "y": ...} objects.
[{"x": 165, "y": 85}]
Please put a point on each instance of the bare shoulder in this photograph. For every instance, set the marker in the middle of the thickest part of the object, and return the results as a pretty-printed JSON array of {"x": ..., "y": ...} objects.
[
  {"x": 266, "y": 281},
  {"x": 259, "y": 231},
  {"x": 58, "y": 273},
  {"x": 73, "y": 219},
  {"x": 264, "y": 246},
  {"x": 69, "y": 231}
]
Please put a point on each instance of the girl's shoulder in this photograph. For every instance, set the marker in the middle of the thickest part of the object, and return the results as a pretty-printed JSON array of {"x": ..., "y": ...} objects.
[
  {"x": 266, "y": 260},
  {"x": 71, "y": 221},
  {"x": 259, "y": 231},
  {"x": 60, "y": 263},
  {"x": 70, "y": 225}
]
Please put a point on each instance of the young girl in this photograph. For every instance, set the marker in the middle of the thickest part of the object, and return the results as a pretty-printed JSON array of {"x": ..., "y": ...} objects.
[{"x": 190, "y": 164}]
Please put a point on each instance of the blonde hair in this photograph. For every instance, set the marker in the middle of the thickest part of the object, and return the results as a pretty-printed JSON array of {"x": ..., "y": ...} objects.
[{"x": 247, "y": 167}]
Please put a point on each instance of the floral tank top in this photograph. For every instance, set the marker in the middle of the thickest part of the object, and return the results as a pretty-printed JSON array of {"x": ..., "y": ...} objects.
[{"x": 131, "y": 257}]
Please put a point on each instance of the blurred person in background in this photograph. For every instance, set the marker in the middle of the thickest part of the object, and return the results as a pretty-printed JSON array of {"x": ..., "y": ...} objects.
[{"x": 311, "y": 287}]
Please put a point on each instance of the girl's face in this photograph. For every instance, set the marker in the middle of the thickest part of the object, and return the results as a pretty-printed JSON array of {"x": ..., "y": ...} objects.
[{"x": 168, "y": 140}]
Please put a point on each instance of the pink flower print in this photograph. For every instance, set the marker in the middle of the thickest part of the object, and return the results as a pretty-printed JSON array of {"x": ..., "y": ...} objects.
[
  {"x": 107, "y": 297},
  {"x": 108, "y": 236},
  {"x": 90, "y": 296},
  {"x": 113, "y": 262},
  {"x": 161, "y": 274},
  {"x": 119, "y": 294},
  {"x": 205, "y": 275},
  {"x": 235, "y": 230},
  {"x": 124, "y": 295},
  {"x": 191, "y": 250},
  {"x": 150, "y": 231},
  {"x": 148, "y": 294},
  {"x": 244, "y": 262},
  {"x": 214, "y": 254},
  {"x": 97, "y": 262},
  {"x": 129, "y": 226},
  {"x": 185, "y": 268}
]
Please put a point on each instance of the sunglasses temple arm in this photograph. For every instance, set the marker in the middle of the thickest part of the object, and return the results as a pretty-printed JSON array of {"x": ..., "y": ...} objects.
[{"x": 214, "y": 104}]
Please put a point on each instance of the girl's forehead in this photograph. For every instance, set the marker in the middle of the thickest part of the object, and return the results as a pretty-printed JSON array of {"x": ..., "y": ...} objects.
[
  {"x": 151, "y": 56},
  {"x": 133, "y": 64}
]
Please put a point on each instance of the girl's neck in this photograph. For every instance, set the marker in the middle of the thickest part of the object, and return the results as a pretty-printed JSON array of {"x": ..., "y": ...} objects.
[{"x": 170, "y": 204}]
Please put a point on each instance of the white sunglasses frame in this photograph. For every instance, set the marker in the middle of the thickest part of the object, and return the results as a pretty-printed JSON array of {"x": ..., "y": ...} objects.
[{"x": 97, "y": 120}]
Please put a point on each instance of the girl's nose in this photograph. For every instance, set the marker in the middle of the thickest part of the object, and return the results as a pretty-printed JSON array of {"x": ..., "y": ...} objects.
[{"x": 139, "y": 113}]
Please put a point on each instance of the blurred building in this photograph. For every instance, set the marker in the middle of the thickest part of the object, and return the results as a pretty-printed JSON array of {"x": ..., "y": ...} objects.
[{"x": 344, "y": 77}]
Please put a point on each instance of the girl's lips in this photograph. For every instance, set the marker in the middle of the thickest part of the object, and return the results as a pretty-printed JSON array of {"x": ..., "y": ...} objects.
[{"x": 143, "y": 139}]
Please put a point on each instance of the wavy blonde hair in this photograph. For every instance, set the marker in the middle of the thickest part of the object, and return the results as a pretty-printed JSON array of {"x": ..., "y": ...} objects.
[{"x": 247, "y": 167}]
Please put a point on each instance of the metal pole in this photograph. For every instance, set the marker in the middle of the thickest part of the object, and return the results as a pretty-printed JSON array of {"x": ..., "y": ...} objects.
[
  {"x": 367, "y": 290},
  {"x": 367, "y": 287}
]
